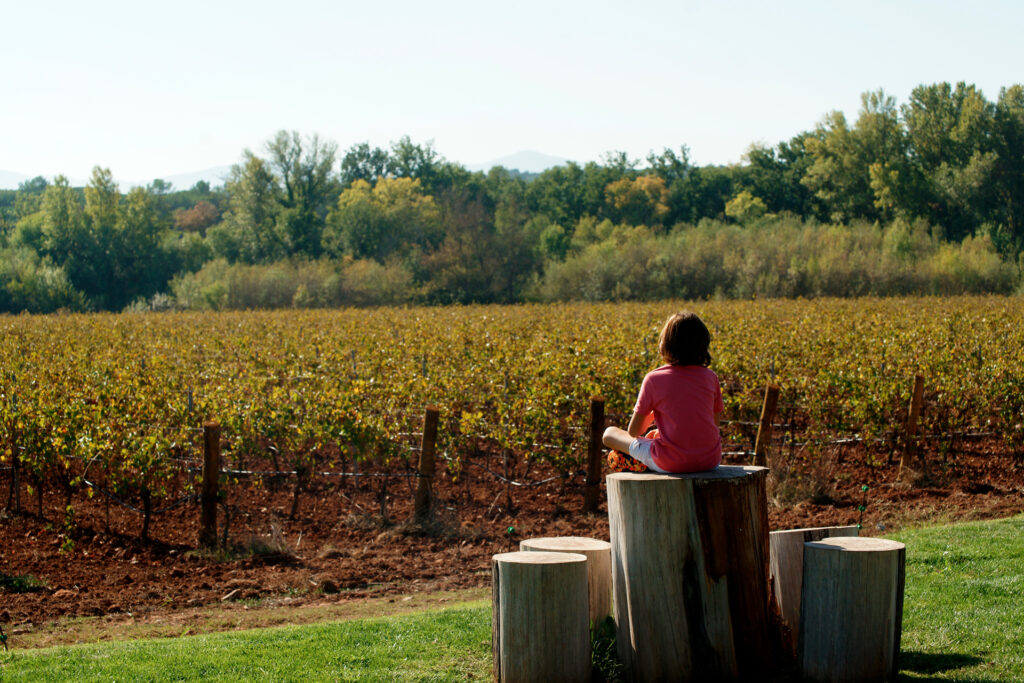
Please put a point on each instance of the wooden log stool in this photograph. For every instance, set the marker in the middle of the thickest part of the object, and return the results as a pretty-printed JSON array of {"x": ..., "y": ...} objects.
[
  {"x": 786, "y": 567},
  {"x": 851, "y": 609},
  {"x": 599, "y": 568},
  {"x": 690, "y": 574},
  {"x": 540, "y": 627}
]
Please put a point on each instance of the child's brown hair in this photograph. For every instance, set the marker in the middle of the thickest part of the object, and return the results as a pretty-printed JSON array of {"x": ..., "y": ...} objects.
[{"x": 685, "y": 340}]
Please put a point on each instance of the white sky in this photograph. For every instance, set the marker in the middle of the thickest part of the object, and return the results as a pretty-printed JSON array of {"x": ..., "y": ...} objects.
[{"x": 155, "y": 89}]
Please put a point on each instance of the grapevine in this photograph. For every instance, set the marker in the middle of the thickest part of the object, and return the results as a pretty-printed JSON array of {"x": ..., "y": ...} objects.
[{"x": 115, "y": 403}]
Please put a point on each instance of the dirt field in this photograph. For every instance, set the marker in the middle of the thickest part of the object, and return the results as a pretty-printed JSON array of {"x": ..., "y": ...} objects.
[{"x": 338, "y": 548}]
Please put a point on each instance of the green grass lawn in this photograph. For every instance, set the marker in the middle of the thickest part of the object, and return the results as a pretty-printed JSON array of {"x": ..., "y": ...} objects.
[
  {"x": 963, "y": 609},
  {"x": 448, "y": 645},
  {"x": 963, "y": 621}
]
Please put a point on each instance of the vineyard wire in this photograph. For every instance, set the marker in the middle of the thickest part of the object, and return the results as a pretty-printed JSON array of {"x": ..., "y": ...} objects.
[
  {"x": 786, "y": 439},
  {"x": 886, "y": 439},
  {"x": 194, "y": 468},
  {"x": 512, "y": 482},
  {"x": 111, "y": 496}
]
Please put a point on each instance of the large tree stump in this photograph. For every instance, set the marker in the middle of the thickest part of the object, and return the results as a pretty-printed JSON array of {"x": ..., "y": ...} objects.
[
  {"x": 540, "y": 630},
  {"x": 599, "y": 568},
  {"x": 690, "y": 574},
  {"x": 851, "y": 610},
  {"x": 786, "y": 567}
]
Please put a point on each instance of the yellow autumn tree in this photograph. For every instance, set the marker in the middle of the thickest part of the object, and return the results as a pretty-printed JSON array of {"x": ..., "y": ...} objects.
[{"x": 639, "y": 201}]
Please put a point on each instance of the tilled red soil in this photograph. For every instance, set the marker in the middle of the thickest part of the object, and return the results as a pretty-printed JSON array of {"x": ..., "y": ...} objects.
[{"x": 338, "y": 547}]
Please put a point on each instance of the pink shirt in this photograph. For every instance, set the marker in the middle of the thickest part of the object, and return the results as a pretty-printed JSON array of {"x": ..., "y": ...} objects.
[{"x": 684, "y": 400}]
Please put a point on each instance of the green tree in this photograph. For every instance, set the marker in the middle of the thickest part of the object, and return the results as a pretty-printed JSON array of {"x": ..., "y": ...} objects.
[
  {"x": 140, "y": 266},
  {"x": 557, "y": 194},
  {"x": 93, "y": 270},
  {"x": 29, "y": 198},
  {"x": 33, "y": 284},
  {"x": 950, "y": 133},
  {"x": 564, "y": 194},
  {"x": 419, "y": 162},
  {"x": 251, "y": 231},
  {"x": 745, "y": 207},
  {"x": 160, "y": 186},
  {"x": 702, "y": 194},
  {"x": 479, "y": 260},
  {"x": 1008, "y": 172},
  {"x": 389, "y": 219},
  {"x": 361, "y": 162},
  {"x": 774, "y": 174},
  {"x": 507, "y": 190},
  {"x": 110, "y": 248},
  {"x": 309, "y": 189},
  {"x": 670, "y": 166},
  {"x": 677, "y": 172},
  {"x": 66, "y": 237},
  {"x": 554, "y": 239},
  {"x": 101, "y": 199},
  {"x": 28, "y": 232},
  {"x": 859, "y": 172}
]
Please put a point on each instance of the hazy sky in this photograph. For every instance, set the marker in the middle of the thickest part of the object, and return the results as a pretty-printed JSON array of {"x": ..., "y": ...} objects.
[{"x": 154, "y": 89}]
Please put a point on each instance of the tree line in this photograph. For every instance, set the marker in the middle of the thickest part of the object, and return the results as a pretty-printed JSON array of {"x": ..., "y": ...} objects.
[{"x": 921, "y": 197}]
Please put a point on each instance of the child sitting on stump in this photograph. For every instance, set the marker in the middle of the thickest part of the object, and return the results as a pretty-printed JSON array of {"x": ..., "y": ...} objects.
[{"x": 683, "y": 398}]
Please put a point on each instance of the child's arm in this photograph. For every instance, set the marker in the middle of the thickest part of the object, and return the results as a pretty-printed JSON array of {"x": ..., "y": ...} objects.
[
  {"x": 619, "y": 439},
  {"x": 638, "y": 424}
]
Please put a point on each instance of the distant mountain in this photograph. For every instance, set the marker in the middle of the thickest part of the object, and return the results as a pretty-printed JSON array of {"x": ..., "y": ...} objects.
[
  {"x": 528, "y": 162},
  {"x": 9, "y": 180},
  {"x": 183, "y": 181}
]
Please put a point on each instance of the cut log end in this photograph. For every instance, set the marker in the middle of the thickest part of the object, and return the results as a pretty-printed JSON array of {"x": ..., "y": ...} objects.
[
  {"x": 562, "y": 544},
  {"x": 720, "y": 472},
  {"x": 857, "y": 544},
  {"x": 539, "y": 558}
]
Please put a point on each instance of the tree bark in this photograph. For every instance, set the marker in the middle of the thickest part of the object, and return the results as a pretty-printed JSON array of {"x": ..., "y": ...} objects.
[
  {"x": 539, "y": 630},
  {"x": 786, "y": 567},
  {"x": 851, "y": 610},
  {"x": 599, "y": 568},
  {"x": 690, "y": 574}
]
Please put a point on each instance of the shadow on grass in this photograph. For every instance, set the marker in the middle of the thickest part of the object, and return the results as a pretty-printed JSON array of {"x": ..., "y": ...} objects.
[{"x": 928, "y": 663}]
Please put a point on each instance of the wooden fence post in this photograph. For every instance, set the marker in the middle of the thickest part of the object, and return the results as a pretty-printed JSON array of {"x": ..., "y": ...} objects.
[
  {"x": 211, "y": 476},
  {"x": 764, "y": 430},
  {"x": 592, "y": 492},
  {"x": 910, "y": 458},
  {"x": 422, "y": 508}
]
